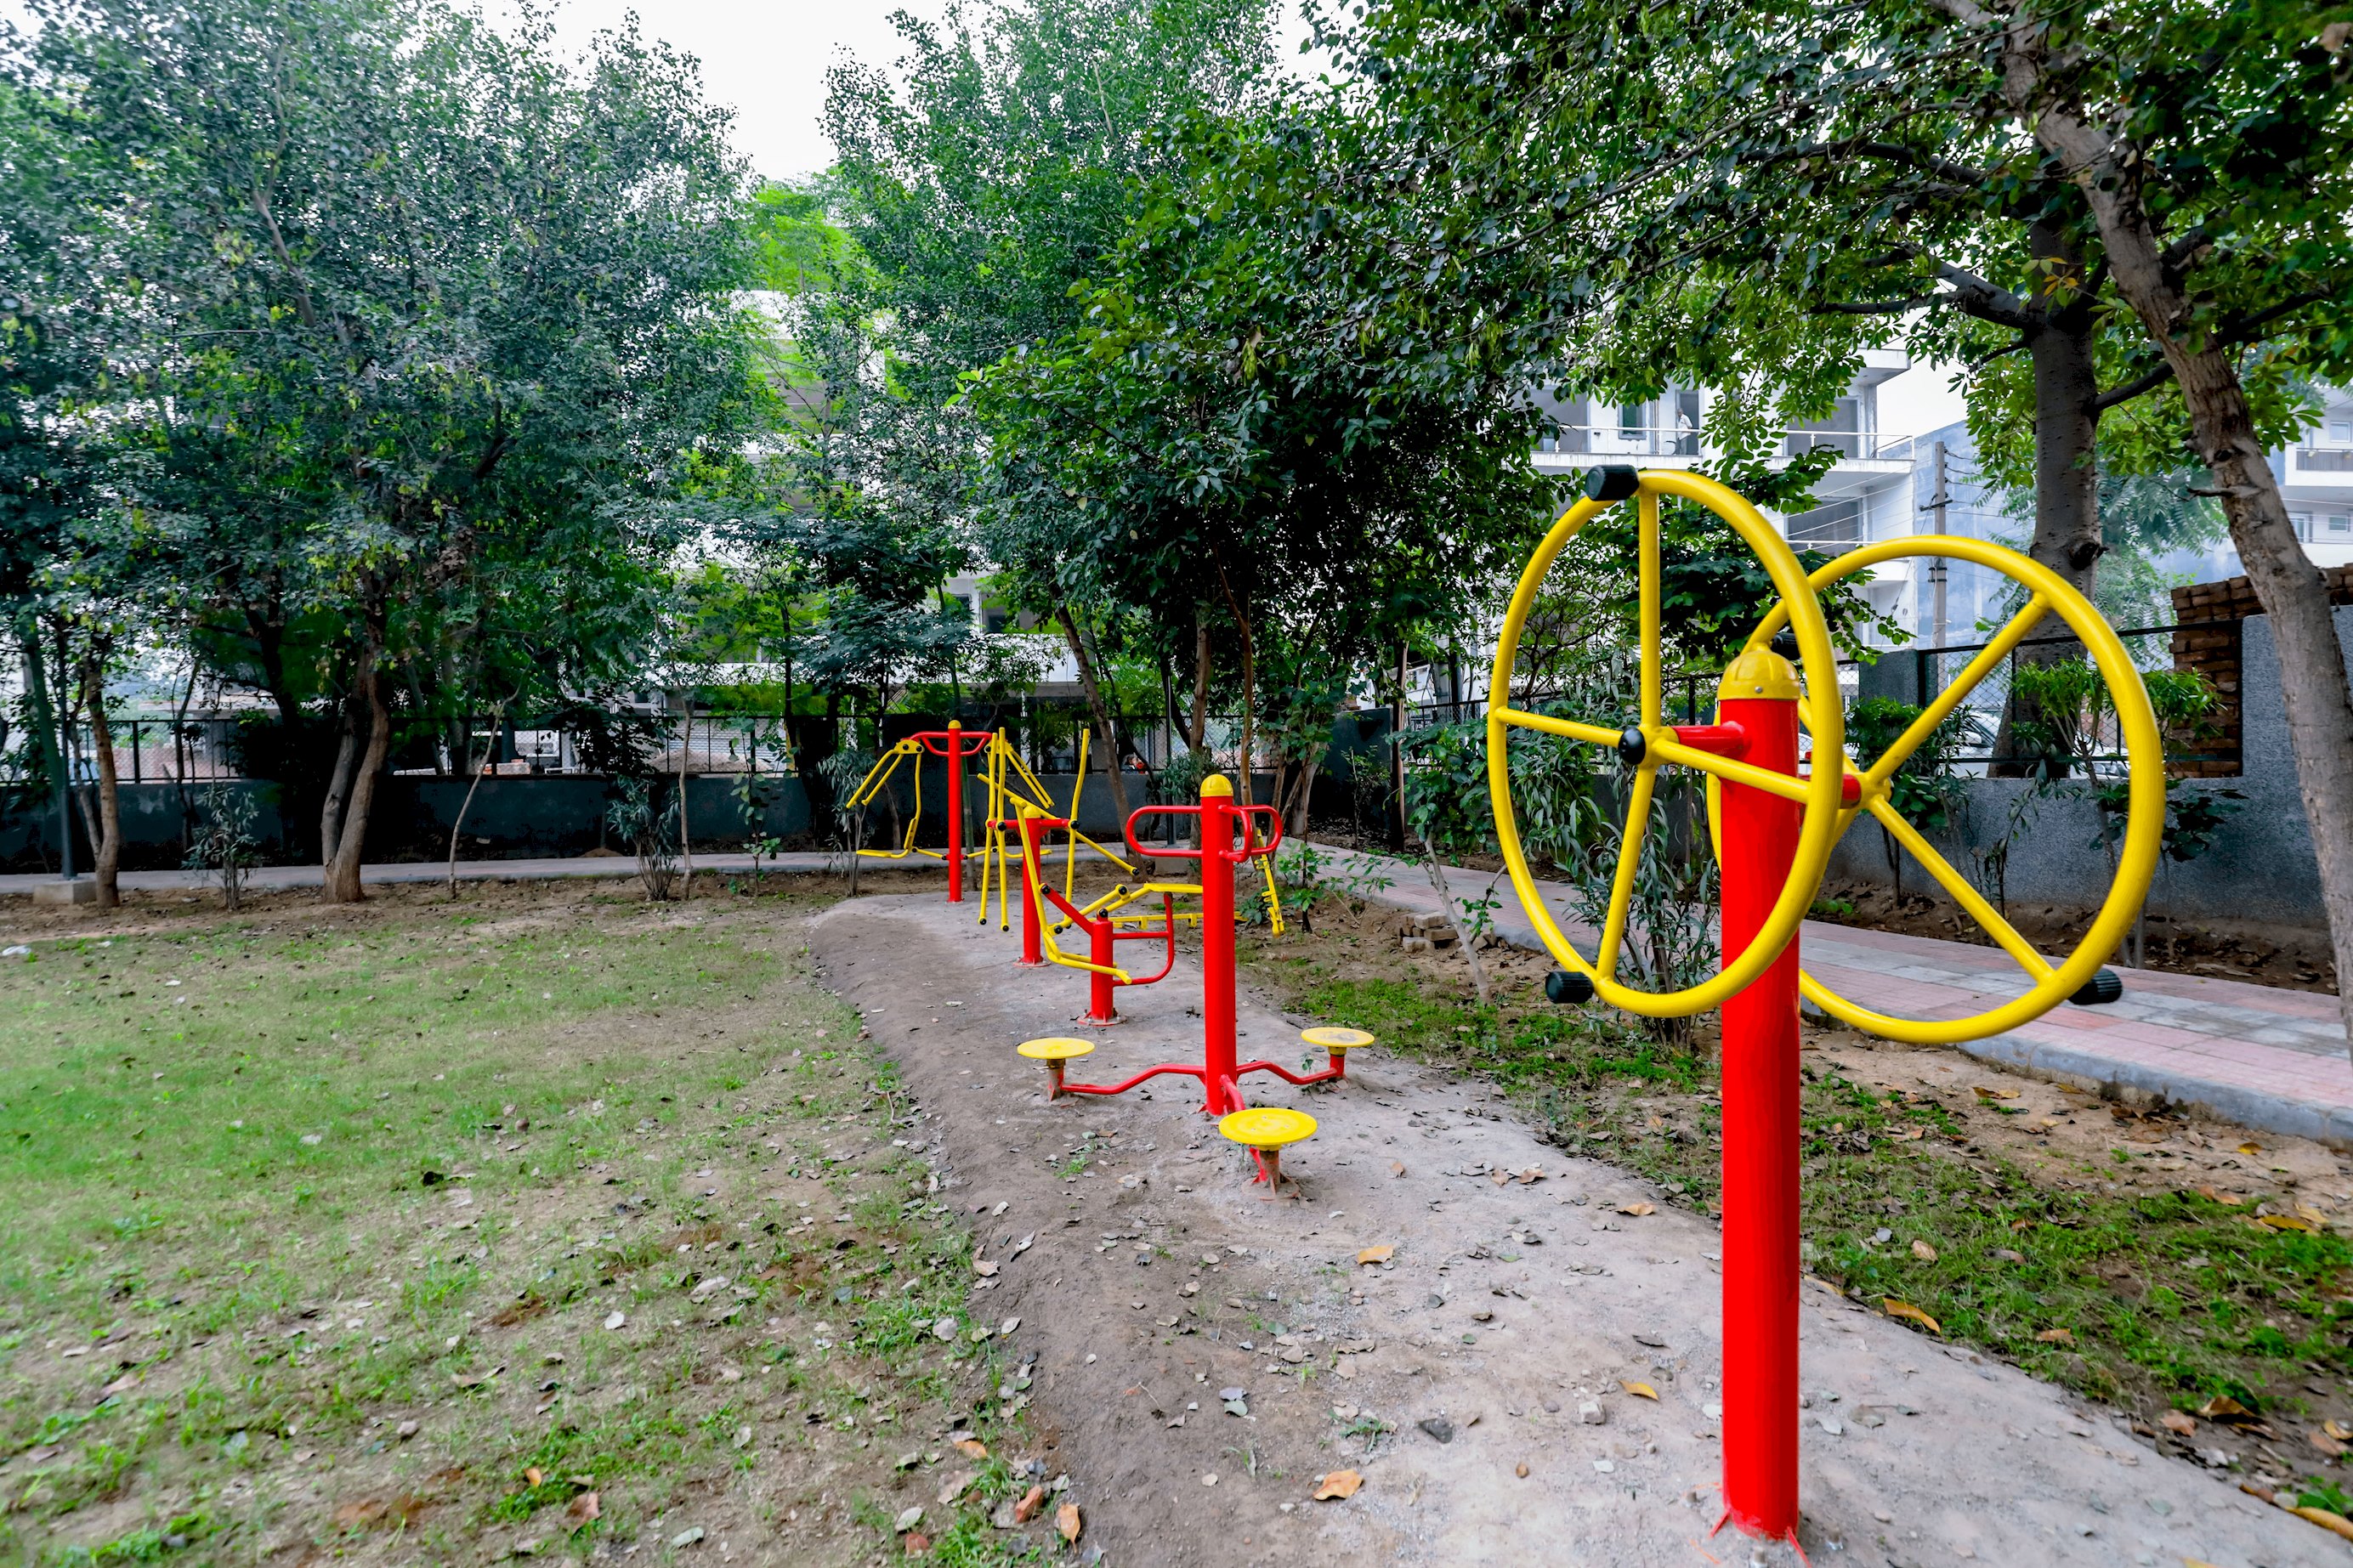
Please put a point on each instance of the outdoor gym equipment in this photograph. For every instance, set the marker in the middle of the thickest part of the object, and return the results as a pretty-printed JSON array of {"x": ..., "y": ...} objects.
[
  {"x": 1100, "y": 919},
  {"x": 1219, "y": 1071},
  {"x": 1775, "y": 815},
  {"x": 1006, "y": 777},
  {"x": 951, "y": 744}
]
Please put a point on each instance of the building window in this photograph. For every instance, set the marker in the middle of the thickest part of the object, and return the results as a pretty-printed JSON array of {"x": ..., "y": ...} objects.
[
  {"x": 1687, "y": 424},
  {"x": 1629, "y": 421},
  {"x": 1841, "y": 431},
  {"x": 1830, "y": 529},
  {"x": 2339, "y": 523},
  {"x": 2303, "y": 522},
  {"x": 2340, "y": 431}
]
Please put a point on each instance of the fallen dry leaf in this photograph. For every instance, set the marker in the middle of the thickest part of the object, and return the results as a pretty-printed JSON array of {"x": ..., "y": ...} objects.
[
  {"x": 1339, "y": 1484},
  {"x": 2326, "y": 1444},
  {"x": 972, "y": 1448},
  {"x": 1911, "y": 1314},
  {"x": 985, "y": 1270},
  {"x": 1397, "y": 1167},
  {"x": 2339, "y": 1430},
  {"x": 1638, "y": 1210},
  {"x": 533, "y": 1475},
  {"x": 1031, "y": 1501},
  {"x": 583, "y": 1508},
  {"x": 1985, "y": 1093},
  {"x": 2251, "y": 1148},
  {"x": 2335, "y": 1523},
  {"x": 1924, "y": 1252},
  {"x": 2228, "y": 1200},
  {"x": 2055, "y": 1337},
  {"x": 1380, "y": 1254},
  {"x": 2180, "y": 1423},
  {"x": 918, "y": 1543},
  {"x": 2224, "y": 1408},
  {"x": 1639, "y": 1390},
  {"x": 2285, "y": 1222},
  {"x": 1066, "y": 1519}
]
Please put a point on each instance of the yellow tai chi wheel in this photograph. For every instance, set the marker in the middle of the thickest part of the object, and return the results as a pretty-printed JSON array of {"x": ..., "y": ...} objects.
[
  {"x": 2079, "y": 976},
  {"x": 1653, "y": 743}
]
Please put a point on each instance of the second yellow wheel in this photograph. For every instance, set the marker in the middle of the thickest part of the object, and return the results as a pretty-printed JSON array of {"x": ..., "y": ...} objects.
[{"x": 2048, "y": 984}]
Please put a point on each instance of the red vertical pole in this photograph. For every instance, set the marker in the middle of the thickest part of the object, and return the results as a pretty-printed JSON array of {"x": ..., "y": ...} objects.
[
  {"x": 1101, "y": 954},
  {"x": 1759, "y": 838},
  {"x": 1217, "y": 1056},
  {"x": 1032, "y": 952},
  {"x": 955, "y": 811}
]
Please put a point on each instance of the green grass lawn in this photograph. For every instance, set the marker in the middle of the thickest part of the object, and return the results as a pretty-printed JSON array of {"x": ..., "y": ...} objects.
[{"x": 398, "y": 1235}]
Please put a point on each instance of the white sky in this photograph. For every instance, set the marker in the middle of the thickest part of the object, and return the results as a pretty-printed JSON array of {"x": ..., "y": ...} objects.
[
  {"x": 1918, "y": 400},
  {"x": 763, "y": 60}
]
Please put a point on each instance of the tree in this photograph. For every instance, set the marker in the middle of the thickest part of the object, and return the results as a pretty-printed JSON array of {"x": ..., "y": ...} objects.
[
  {"x": 2213, "y": 149},
  {"x": 444, "y": 300}
]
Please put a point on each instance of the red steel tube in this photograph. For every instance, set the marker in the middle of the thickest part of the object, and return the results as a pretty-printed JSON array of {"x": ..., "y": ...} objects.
[
  {"x": 1103, "y": 955},
  {"x": 1218, "y": 821},
  {"x": 955, "y": 811},
  {"x": 1033, "y": 954},
  {"x": 1760, "y": 837}
]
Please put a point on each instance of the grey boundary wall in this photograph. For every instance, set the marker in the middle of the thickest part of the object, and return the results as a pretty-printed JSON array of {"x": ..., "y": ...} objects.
[
  {"x": 511, "y": 818},
  {"x": 2260, "y": 870}
]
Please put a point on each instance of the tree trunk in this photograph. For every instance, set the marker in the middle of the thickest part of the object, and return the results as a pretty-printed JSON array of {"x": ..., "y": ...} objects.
[
  {"x": 110, "y": 795},
  {"x": 52, "y": 760},
  {"x": 498, "y": 717},
  {"x": 1106, "y": 733},
  {"x": 339, "y": 783},
  {"x": 2066, "y": 467},
  {"x": 1197, "y": 727},
  {"x": 685, "y": 852},
  {"x": 342, "y": 884},
  {"x": 2290, "y": 588}
]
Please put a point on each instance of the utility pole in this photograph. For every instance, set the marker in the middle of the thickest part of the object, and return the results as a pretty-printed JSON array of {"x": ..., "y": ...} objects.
[{"x": 1937, "y": 503}]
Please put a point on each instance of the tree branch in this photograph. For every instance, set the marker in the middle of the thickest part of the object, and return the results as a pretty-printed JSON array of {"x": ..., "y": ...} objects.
[
  {"x": 1881, "y": 307},
  {"x": 2238, "y": 332}
]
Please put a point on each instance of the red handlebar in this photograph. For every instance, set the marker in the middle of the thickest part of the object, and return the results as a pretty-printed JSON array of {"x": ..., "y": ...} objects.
[{"x": 1275, "y": 837}]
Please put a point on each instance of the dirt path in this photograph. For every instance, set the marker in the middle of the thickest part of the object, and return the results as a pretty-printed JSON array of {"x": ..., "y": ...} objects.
[{"x": 1157, "y": 1278}]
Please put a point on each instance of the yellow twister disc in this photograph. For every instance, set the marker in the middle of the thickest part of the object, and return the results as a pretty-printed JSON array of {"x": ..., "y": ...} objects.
[
  {"x": 1336, "y": 1039},
  {"x": 1054, "y": 1048},
  {"x": 1267, "y": 1127}
]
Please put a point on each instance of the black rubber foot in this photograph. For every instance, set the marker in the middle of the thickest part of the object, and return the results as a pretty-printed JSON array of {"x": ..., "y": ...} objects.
[
  {"x": 1611, "y": 484},
  {"x": 1567, "y": 987},
  {"x": 2100, "y": 990}
]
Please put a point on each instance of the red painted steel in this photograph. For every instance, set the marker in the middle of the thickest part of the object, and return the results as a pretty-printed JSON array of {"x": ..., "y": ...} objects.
[
  {"x": 1221, "y": 821},
  {"x": 1759, "y": 839},
  {"x": 957, "y": 748}
]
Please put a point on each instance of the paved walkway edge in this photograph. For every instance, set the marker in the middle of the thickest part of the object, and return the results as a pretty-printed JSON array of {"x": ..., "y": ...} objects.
[
  {"x": 2252, "y": 1109},
  {"x": 1409, "y": 889}
]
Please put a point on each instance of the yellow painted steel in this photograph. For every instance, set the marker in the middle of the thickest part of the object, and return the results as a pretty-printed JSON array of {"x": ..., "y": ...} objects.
[
  {"x": 1332, "y": 1037},
  {"x": 2137, "y": 855},
  {"x": 1006, "y": 801},
  {"x": 1266, "y": 1126},
  {"x": 1110, "y": 904},
  {"x": 1055, "y": 1049},
  {"x": 1818, "y": 709},
  {"x": 878, "y": 777}
]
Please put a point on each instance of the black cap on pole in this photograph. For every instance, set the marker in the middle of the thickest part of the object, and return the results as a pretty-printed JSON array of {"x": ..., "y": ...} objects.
[{"x": 1611, "y": 484}]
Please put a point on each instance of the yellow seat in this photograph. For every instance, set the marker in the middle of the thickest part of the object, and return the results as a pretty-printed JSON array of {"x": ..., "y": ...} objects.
[
  {"x": 1267, "y": 1127},
  {"x": 1336, "y": 1039},
  {"x": 1054, "y": 1050}
]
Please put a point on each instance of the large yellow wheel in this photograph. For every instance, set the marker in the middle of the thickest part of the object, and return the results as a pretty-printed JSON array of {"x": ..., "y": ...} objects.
[
  {"x": 2047, "y": 594},
  {"x": 1653, "y": 743}
]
